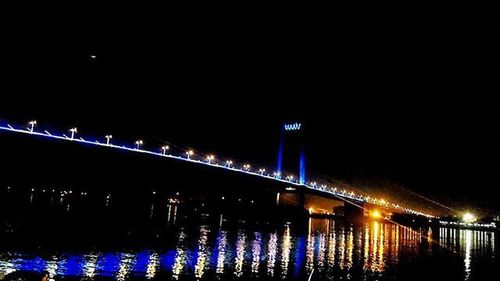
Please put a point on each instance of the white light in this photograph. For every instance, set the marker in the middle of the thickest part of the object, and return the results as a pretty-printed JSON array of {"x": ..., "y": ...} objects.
[
  {"x": 210, "y": 158},
  {"x": 292, "y": 127},
  {"x": 468, "y": 218},
  {"x": 138, "y": 144},
  {"x": 73, "y": 131},
  {"x": 164, "y": 149},
  {"x": 32, "y": 124},
  {"x": 108, "y": 139}
]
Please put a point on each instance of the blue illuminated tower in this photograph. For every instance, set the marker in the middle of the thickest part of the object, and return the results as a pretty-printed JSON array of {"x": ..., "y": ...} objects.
[{"x": 293, "y": 133}]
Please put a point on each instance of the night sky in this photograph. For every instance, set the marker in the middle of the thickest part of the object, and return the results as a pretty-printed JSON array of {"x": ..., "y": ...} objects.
[{"x": 386, "y": 99}]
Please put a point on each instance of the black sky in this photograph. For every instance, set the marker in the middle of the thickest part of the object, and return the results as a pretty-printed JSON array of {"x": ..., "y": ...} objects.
[{"x": 385, "y": 96}]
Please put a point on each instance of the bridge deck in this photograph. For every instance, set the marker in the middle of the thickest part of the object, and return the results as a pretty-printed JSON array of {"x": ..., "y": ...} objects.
[{"x": 327, "y": 190}]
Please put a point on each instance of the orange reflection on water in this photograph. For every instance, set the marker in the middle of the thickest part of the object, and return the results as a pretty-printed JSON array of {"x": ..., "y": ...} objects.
[
  {"x": 350, "y": 247},
  {"x": 382, "y": 243},
  {"x": 310, "y": 249},
  {"x": 341, "y": 249},
  {"x": 331, "y": 244},
  {"x": 286, "y": 246}
]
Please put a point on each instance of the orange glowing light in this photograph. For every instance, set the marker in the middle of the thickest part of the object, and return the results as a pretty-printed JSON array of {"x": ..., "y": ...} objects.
[{"x": 375, "y": 214}]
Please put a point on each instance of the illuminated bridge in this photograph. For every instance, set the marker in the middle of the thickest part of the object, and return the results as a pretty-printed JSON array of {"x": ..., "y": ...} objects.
[{"x": 298, "y": 183}]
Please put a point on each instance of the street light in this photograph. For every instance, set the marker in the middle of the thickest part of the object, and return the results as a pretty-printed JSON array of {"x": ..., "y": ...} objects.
[
  {"x": 31, "y": 124},
  {"x": 138, "y": 144},
  {"x": 246, "y": 167},
  {"x": 210, "y": 158},
  {"x": 468, "y": 217},
  {"x": 164, "y": 149},
  {"x": 189, "y": 153},
  {"x": 108, "y": 139},
  {"x": 262, "y": 171},
  {"x": 73, "y": 131},
  {"x": 229, "y": 163},
  {"x": 290, "y": 178},
  {"x": 376, "y": 214}
]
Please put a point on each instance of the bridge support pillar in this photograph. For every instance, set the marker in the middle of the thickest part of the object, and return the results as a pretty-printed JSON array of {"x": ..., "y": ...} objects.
[
  {"x": 353, "y": 213},
  {"x": 302, "y": 199}
]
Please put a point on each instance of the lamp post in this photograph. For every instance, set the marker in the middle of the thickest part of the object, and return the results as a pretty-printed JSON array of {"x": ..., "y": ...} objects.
[
  {"x": 189, "y": 153},
  {"x": 262, "y": 171},
  {"x": 108, "y": 139},
  {"x": 32, "y": 125},
  {"x": 73, "y": 131},
  {"x": 138, "y": 144},
  {"x": 210, "y": 158},
  {"x": 229, "y": 163},
  {"x": 164, "y": 149},
  {"x": 246, "y": 167}
]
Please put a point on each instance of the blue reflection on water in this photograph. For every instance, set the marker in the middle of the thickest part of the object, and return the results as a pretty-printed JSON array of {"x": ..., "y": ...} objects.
[
  {"x": 73, "y": 266},
  {"x": 141, "y": 264},
  {"x": 167, "y": 260},
  {"x": 36, "y": 263}
]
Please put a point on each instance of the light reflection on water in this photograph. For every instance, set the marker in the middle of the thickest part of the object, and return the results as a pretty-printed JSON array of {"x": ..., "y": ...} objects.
[
  {"x": 203, "y": 253},
  {"x": 240, "y": 253},
  {"x": 469, "y": 244},
  {"x": 272, "y": 250},
  {"x": 333, "y": 249},
  {"x": 256, "y": 248},
  {"x": 221, "y": 248}
]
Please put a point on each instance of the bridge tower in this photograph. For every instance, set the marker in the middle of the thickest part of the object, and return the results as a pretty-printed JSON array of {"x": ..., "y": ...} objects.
[{"x": 293, "y": 133}]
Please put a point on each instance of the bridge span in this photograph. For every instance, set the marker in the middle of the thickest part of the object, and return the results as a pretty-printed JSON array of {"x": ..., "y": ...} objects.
[{"x": 295, "y": 191}]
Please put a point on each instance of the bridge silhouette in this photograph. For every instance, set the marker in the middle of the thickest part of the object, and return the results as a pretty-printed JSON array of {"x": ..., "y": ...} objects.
[{"x": 327, "y": 190}]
